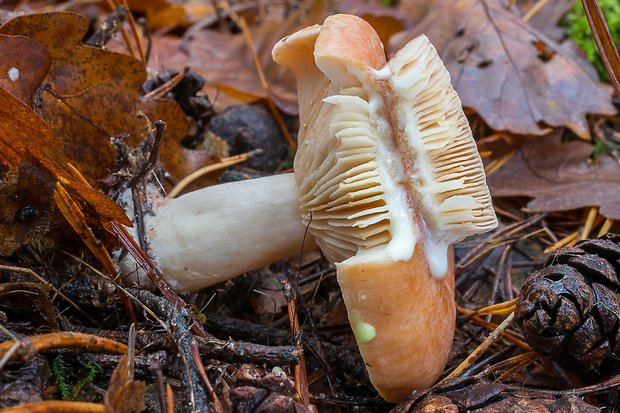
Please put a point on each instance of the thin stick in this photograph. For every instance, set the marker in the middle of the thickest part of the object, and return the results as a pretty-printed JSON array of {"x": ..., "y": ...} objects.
[
  {"x": 9, "y": 354},
  {"x": 469, "y": 361},
  {"x": 301, "y": 376},
  {"x": 535, "y": 9},
  {"x": 495, "y": 164},
  {"x": 509, "y": 335},
  {"x": 170, "y": 398},
  {"x": 56, "y": 406},
  {"x": 527, "y": 359},
  {"x": 161, "y": 91},
  {"x": 201, "y": 370},
  {"x": 605, "y": 227},
  {"x": 587, "y": 228},
  {"x": 112, "y": 7},
  {"x": 226, "y": 162},
  {"x": 63, "y": 339},
  {"x": 564, "y": 241},
  {"x": 261, "y": 75},
  {"x": 134, "y": 30},
  {"x": 494, "y": 309}
]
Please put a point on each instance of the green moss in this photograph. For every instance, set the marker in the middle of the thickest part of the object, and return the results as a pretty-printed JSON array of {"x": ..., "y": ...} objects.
[
  {"x": 61, "y": 371},
  {"x": 71, "y": 380},
  {"x": 579, "y": 31}
]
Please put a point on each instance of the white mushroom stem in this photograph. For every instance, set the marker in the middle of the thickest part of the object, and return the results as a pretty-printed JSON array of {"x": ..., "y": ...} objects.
[{"x": 222, "y": 231}]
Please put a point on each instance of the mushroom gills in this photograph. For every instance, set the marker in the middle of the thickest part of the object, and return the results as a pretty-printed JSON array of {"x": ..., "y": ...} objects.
[
  {"x": 344, "y": 198},
  {"x": 447, "y": 174}
]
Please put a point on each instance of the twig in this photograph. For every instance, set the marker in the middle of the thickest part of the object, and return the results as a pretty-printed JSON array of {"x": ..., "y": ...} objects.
[
  {"x": 164, "y": 89},
  {"x": 224, "y": 163},
  {"x": 181, "y": 319},
  {"x": 480, "y": 350},
  {"x": 205, "y": 379},
  {"x": 56, "y": 406},
  {"x": 109, "y": 28},
  {"x": 30, "y": 346},
  {"x": 301, "y": 378}
]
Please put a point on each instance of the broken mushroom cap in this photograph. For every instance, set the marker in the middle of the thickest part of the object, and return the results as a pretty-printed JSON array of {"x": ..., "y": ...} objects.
[{"x": 389, "y": 177}]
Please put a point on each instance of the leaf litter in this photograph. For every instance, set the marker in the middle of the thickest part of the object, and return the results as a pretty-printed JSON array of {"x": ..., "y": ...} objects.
[{"x": 72, "y": 103}]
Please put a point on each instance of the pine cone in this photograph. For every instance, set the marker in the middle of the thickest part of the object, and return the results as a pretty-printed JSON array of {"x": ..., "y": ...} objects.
[{"x": 570, "y": 309}]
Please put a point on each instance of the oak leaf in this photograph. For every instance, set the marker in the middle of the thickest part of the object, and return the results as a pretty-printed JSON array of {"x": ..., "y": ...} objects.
[
  {"x": 91, "y": 94},
  {"x": 23, "y": 66},
  {"x": 28, "y": 174},
  {"x": 92, "y": 97},
  {"x": 560, "y": 176},
  {"x": 511, "y": 74}
]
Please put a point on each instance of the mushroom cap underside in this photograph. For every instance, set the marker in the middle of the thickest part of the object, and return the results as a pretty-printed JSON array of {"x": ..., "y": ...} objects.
[{"x": 386, "y": 155}]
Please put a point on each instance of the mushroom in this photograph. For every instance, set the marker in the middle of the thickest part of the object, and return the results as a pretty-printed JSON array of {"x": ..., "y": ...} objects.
[
  {"x": 216, "y": 233},
  {"x": 387, "y": 177}
]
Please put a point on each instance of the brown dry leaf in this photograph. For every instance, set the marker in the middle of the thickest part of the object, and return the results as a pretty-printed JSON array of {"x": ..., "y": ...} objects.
[
  {"x": 183, "y": 14},
  {"x": 23, "y": 131},
  {"x": 93, "y": 98},
  {"x": 23, "y": 67},
  {"x": 30, "y": 303},
  {"x": 26, "y": 197},
  {"x": 560, "y": 176},
  {"x": 546, "y": 18},
  {"x": 146, "y": 5},
  {"x": 91, "y": 95},
  {"x": 376, "y": 9},
  {"x": 498, "y": 70},
  {"x": 75, "y": 67},
  {"x": 169, "y": 17},
  {"x": 124, "y": 395},
  {"x": 225, "y": 59}
]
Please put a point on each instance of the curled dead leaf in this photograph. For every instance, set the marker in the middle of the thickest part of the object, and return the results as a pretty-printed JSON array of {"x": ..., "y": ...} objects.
[{"x": 560, "y": 176}]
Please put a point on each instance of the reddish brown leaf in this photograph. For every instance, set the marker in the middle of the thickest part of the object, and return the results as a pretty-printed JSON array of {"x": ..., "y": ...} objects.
[
  {"x": 226, "y": 59},
  {"x": 546, "y": 17},
  {"x": 124, "y": 395},
  {"x": 498, "y": 70},
  {"x": 560, "y": 176},
  {"x": 75, "y": 67},
  {"x": 30, "y": 303},
  {"x": 385, "y": 26},
  {"x": 89, "y": 120},
  {"x": 145, "y": 5},
  {"x": 91, "y": 95},
  {"x": 23, "y": 67},
  {"x": 22, "y": 130}
]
